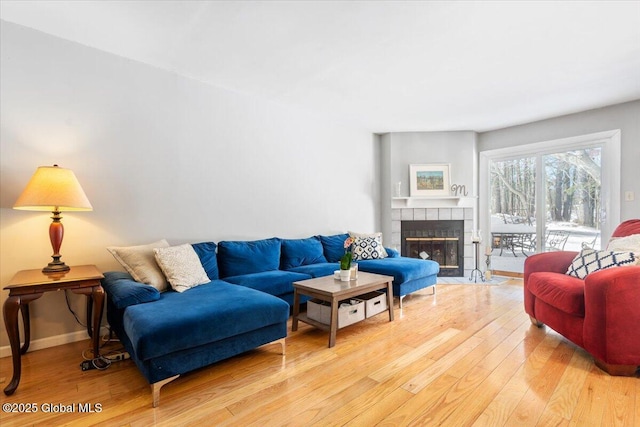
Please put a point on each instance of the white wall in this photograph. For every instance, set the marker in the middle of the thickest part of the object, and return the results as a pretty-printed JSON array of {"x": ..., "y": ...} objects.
[
  {"x": 456, "y": 148},
  {"x": 625, "y": 117},
  {"x": 161, "y": 156}
]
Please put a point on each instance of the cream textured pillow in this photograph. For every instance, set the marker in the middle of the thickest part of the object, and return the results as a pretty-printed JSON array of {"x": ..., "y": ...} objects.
[
  {"x": 140, "y": 262},
  {"x": 629, "y": 243},
  {"x": 182, "y": 266}
]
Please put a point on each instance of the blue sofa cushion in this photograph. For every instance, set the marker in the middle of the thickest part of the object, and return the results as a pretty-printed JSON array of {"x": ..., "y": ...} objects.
[
  {"x": 201, "y": 315},
  {"x": 317, "y": 270},
  {"x": 333, "y": 246},
  {"x": 297, "y": 252},
  {"x": 207, "y": 253},
  {"x": 276, "y": 282},
  {"x": 403, "y": 269},
  {"x": 247, "y": 257},
  {"x": 392, "y": 252},
  {"x": 123, "y": 291}
]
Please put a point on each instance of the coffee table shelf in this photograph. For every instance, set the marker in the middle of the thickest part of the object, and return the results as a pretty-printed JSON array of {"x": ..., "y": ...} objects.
[{"x": 304, "y": 318}]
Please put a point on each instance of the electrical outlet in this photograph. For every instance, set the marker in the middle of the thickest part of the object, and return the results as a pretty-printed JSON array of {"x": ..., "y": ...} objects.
[{"x": 629, "y": 196}]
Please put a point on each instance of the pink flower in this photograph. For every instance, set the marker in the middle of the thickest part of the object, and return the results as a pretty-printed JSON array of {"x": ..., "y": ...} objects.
[{"x": 348, "y": 242}]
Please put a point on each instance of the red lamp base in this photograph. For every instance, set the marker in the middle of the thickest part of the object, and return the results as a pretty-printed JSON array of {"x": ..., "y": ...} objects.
[{"x": 56, "y": 233}]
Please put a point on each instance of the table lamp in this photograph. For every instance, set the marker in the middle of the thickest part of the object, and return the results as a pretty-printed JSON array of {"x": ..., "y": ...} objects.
[{"x": 54, "y": 189}]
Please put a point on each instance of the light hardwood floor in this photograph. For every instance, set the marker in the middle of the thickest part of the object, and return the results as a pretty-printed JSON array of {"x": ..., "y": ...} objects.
[{"x": 467, "y": 356}]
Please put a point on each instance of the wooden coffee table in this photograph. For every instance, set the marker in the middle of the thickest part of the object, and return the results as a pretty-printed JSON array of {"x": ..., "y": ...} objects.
[{"x": 333, "y": 290}]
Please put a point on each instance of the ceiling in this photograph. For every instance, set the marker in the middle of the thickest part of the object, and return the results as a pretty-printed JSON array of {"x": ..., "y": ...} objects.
[{"x": 383, "y": 65}]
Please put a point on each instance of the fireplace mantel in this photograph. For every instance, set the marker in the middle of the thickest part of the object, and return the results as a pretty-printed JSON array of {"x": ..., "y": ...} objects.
[{"x": 432, "y": 202}]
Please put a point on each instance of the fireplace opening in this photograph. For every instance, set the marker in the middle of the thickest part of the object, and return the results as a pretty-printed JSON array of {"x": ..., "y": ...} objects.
[{"x": 439, "y": 241}]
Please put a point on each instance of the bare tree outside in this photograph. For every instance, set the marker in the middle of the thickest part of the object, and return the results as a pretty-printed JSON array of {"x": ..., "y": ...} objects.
[
  {"x": 513, "y": 189},
  {"x": 572, "y": 188}
]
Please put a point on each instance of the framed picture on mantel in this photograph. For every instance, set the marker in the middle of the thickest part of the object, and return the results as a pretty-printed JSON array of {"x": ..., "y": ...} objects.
[{"x": 429, "y": 180}]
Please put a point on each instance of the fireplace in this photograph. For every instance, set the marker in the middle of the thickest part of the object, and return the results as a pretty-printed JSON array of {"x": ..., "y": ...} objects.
[{"x": 441, "y": 241}]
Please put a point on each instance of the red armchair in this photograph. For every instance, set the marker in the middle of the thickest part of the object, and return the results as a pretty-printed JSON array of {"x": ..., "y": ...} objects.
[{"x": 600, "y": 313}]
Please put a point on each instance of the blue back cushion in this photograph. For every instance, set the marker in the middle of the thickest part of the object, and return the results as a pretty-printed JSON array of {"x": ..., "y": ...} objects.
[
  {"x": 238, "y": 258},
  {"x": 297, "y": 252},
  {"x": 207, "y": 253},
  {"x": 123, "y": 291},
  {"x": 333, "y": 246}
]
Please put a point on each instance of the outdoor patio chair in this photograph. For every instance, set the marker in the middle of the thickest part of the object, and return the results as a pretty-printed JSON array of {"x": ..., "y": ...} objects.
[
  {"x": 555, "y": 240},
  {"x": 525, "y": 241},
  {"x": 514, "y": 241},
  {"x": 590, "y": 244}
]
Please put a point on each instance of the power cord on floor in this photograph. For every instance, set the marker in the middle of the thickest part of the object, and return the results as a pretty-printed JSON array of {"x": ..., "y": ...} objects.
[
  {"x": 99, "y": 363},
  {"x": 109, "y": 337},
  {"x": 105, "y": 359}
]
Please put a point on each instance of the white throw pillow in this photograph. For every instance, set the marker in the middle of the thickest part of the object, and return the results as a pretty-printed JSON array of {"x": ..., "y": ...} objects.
[
  {"x": 367, "y": 246},
  {"x": 590, "y": 260},
  {"x": 181, "y": 264},
  {"x": 140, "y": 262},
  {"x": 629, "y": 243}
]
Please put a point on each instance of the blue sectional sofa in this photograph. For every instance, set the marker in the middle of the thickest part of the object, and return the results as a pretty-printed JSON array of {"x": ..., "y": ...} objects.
[{"x": 245, "y": 305}]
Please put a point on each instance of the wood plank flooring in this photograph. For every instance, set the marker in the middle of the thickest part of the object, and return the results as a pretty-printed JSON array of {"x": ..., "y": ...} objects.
[{"x": 467, "y": 356}]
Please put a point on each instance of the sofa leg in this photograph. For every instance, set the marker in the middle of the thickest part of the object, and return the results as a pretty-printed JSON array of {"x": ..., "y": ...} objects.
[
  {"x": 402, "y": 297},
  {"x": 155, "y": 389},
  {"x": 282, "y": 343},
  {"x": 536, "y": 322},
  {"x": 617, "y": 370}
]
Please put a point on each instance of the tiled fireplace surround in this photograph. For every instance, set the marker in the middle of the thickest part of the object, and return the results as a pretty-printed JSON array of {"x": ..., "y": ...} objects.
[{"x": 436, "y": 214}]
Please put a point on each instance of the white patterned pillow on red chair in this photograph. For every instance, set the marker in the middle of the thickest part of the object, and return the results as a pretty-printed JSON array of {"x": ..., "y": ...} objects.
[{"x": 590, "y": 260}]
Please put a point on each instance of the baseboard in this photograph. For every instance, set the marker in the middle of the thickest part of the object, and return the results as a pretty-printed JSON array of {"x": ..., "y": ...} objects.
[
  {"x": 495, "y": 280},
  {"x": 5, "y": 351},
  {"x": 508, "y": 274}
]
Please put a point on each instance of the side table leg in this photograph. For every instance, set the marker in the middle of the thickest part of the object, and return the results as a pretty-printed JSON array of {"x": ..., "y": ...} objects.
[
  {"x": 97, "y": 295},
  {"x": 10, "y": 312},
  {"x": 90, "y": 316},
  {"x": 26, "y": 322}
]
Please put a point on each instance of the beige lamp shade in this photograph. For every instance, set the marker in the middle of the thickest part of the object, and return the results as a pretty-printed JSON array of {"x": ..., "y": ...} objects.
[{"x": 52, "y": 189}]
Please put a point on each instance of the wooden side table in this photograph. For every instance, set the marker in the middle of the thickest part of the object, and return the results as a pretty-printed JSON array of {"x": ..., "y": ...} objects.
[{"x": 29, "y": 285}]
